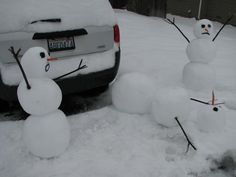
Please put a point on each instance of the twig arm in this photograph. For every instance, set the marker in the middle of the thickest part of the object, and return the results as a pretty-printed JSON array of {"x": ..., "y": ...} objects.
[
  {"x": 226, "y": 22},
  {"x": 173, "y": 23},
  {"x": 186, "y": 136},
  {"x": 79, "y": 68},
  {"x": 203, "y": 102},
  {"x": 16, "y": 56}
]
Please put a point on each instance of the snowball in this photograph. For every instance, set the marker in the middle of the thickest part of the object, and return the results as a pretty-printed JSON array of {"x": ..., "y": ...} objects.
[
  {"x": 201, "y": 50},
  {"x": 199, "y": 76},
  {"x": 203, "y": 29},
  {"x": 132, "y": 93},
  {"x": 44, "y": 96},
  {"x": 169, "y": 103},
  {"x": 47, "y": 136},
  {"x": 211, "y": 118},
  {"x": 34, "y": 62}
]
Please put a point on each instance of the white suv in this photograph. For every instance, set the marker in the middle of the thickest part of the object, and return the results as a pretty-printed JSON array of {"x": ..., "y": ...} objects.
[{"x": 71, "y": 31}]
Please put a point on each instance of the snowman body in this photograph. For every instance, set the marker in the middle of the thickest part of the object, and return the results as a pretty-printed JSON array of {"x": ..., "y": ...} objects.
[
  {"x": 46, "y": 131},
  {"x": 198, "y": 75},
  {"x": 201, "y": 50},
  {"x": 44, "y": 96},
  {"x": 169, "y": 103}
]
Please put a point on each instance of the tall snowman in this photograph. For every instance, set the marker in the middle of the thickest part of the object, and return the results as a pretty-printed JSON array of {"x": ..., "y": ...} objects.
[
  {"x": 198, "y": 75},
  {"x": 46, "y": 131}
]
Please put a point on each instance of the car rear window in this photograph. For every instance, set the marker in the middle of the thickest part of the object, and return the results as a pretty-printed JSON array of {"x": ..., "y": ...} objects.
[{"x": 45, "y": 15}]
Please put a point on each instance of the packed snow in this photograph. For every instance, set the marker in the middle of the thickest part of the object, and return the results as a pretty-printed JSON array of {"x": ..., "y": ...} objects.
[
  {"x": 110, "y": 142},
  {"x": 14, "y": 20}
]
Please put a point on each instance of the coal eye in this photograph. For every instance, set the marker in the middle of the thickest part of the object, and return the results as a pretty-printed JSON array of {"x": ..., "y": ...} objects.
[
  {"x": 215, "y": 109},
  {"x": 42, "y": 55},
  {"x": 209, "y": 26},
  {"x": 203, "y": 26}
]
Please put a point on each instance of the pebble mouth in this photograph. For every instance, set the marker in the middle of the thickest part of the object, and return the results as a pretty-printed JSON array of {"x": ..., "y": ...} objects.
[
  {"x": 206, "y": 33},
  {"x": 47, "y": 67}
]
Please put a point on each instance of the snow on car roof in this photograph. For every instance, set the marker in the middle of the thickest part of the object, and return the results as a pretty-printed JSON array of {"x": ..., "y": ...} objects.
[{"x": 17, "y": 15}]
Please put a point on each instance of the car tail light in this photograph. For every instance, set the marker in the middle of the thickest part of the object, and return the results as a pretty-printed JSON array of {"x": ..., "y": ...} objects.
[{"x": 116, "y": 34}]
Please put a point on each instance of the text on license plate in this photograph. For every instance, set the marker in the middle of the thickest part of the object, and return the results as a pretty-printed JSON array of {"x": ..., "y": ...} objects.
[{"x": 61, "y": 44}]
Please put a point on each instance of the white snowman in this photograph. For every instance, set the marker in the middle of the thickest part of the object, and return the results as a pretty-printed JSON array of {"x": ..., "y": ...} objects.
[
  {"x": 46, "y": 131},
  {"x": 198, "y": 75}
]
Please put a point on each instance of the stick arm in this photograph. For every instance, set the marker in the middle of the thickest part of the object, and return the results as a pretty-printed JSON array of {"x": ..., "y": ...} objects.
[
  {"x": 226, "y": 22},
  {"x": 71, "y": 72},
  {"x": 16, "y": 56},
  {"x": 173, "y": 23}
]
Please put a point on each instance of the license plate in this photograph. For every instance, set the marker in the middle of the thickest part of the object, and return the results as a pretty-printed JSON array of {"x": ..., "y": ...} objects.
[{"x": 61, "y": 44}]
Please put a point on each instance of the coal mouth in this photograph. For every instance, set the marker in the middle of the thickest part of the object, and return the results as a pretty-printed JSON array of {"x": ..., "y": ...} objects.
[{"x": 206, "y": 33}]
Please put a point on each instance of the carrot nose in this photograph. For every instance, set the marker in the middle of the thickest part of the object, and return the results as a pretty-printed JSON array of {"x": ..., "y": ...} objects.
[
  {"x": 213, "y": 98},
  {"x": 52, "y": 59},
  {"x": 206, "y": 30}
]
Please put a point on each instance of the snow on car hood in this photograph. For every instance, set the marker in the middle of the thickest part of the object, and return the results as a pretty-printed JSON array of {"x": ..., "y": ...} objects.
[{"x": 16, "y": 15}]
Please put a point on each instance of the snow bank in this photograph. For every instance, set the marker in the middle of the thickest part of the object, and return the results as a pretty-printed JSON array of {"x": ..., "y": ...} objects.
[{"x": 73, "y": 13}]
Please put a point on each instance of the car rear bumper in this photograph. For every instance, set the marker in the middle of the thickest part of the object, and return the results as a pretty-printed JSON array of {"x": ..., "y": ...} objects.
[{"x": 79, "y": 83}]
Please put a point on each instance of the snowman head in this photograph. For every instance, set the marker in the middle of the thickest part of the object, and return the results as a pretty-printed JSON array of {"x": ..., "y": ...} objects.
[
  {"x": 35, "y": 62},
  {"x": 203, "y": 29},
  {"x": 215, "y": 106}
]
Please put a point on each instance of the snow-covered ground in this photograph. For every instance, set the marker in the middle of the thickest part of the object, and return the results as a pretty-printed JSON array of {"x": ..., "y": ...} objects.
[{"x": 110, "y": 143}]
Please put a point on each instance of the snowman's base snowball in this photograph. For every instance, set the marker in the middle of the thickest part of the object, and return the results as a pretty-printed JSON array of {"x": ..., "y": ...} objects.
[
  {"x": 169, "y": 103},
  {"x": 47, "y": 136},
  {"x": 210, "y": 121},
  {"x": 44, "y": 96},
  {"x": 199, "y": 77},
  {"x": 132, "y": 93}
]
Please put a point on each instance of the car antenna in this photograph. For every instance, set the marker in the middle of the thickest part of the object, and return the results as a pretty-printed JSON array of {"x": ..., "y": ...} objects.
[{"x": 16, "y": 56}]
